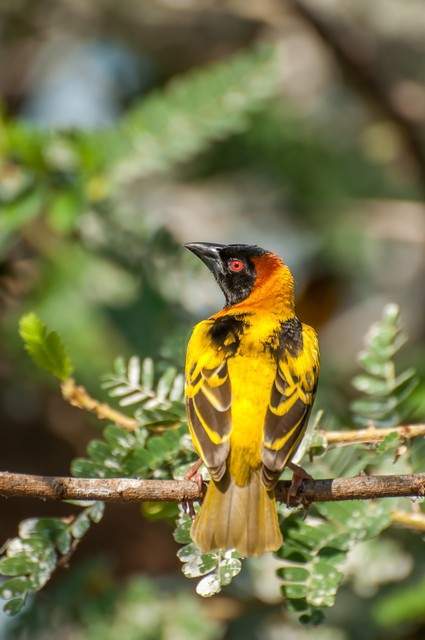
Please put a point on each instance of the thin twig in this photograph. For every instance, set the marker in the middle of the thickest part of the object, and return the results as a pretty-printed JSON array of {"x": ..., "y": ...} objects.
[
  {"x": 79, "y": 397},
  {"x": 409, "y": 519},
  {"x": 372, "y": 434},
  {"x": 135, "y": 490}
]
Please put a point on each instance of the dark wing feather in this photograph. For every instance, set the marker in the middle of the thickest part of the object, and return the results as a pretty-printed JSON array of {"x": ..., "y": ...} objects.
[
  {"x": 290, "y": 404},
  {"x": 208, "y": 399}
]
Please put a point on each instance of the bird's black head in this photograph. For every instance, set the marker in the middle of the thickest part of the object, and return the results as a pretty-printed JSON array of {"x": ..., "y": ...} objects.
[{"x": 232, "y": 265}]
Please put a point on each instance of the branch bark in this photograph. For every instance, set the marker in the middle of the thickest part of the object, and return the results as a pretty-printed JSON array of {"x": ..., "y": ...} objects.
[{"x": 135, "y": 490}]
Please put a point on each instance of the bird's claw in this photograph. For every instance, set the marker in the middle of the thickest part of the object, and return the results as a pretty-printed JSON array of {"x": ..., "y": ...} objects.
[
  {"x": 194, "y": 475},
  {"x": 188, "y": 508},
  {"x": 294, "y": 496}
]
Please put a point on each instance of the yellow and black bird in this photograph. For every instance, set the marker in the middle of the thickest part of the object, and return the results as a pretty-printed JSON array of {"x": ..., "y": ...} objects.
[{"x": 251, "y": 377}]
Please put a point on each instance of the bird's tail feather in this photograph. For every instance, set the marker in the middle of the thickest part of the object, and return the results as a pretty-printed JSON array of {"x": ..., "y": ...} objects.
[{"x": 238, "y": 517}]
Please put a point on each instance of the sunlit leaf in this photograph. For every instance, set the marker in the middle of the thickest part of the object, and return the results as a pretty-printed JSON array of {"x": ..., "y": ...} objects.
[{"x": 45, "y": 347}]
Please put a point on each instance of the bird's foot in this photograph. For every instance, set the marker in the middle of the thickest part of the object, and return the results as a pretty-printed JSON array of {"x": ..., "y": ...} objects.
[
  {"x": 299, "y": 475},
  {"x": 193, "y": 475}
]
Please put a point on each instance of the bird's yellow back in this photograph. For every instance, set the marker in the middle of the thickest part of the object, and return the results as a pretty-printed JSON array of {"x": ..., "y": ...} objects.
[{"x": 251, "y": 374}]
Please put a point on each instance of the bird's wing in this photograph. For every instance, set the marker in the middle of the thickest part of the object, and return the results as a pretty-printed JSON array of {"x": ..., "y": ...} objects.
[
  {"x": 208, "y": 399},
  {"x": 290, "y": 403}
]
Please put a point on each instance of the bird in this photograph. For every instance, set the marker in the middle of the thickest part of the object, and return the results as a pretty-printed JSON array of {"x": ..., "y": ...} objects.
[{"x": 251, "y": 375}]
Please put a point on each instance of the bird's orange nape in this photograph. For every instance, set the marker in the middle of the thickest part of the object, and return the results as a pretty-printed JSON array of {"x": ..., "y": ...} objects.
[{"x": 273, "y": 287}]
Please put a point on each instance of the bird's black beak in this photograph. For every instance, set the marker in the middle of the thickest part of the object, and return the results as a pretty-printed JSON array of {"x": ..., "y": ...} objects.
[{"x": 208, "y": 252}]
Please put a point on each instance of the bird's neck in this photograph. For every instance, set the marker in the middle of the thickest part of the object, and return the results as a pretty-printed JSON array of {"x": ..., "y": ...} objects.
[{"x": 273, "y": 292}]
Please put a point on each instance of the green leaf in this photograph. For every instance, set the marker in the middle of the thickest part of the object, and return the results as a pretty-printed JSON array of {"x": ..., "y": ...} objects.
[
  {"x": 45, "y": 347},
  {"x": 182, "y": 530},
  {"x": 403, "y": 605},
  {"x": 33, "y": 557},
  {"x": 139, "y": 461},
  {"x": 16, "y": 565},
  {"x": 63, "y": 210},
  {"x": 118, "y": 439},
  {"x": 46, "y": 565},
  {"x": 229, "y": 568},
  {"x": 82, "y": 468},
  {"x": 98, "y": 451},
  {"x": 209, "y": 586},
  {"x": 389, "y": 444},
  {"x": 148, "y": 373},
  {"x": 13, "y": 588},
  {"x": 372, "y": 386},
  {"x": 17, "y": 213},
  {"x": 96, "y": 512},
  {"x": 46, "y": 527},
  {"x": 80, "y": 526},
  {"x": 384, "y": 391},
  {"x": 195, "y": 563},
  {"x": 315, "y": 550},
  {"x": 165, "y": 383},
  {"x": 133, "y": 384},
  {"x": 218, "y": 567},
  {"x": 14, "y": 606},
  {"x": 64, "y": 541},
  {"x": 175, "y": 124}
]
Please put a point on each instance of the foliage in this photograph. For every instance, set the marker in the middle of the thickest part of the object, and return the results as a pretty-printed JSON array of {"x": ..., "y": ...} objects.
[
  {"x": 45, "y": 347},
  {"x": 384, "y": 390},
  {"x": 96, "y": 251},
  {"x": 314, "y": 554},
  {"x": 217, "y": 569},
  {"x": 402, "y": 605},
  {"x": 315, "y": 550},
  {"x": 133, "y": 385},
  {"x": 77, "y": 171},
  {"x": 98, "y": 609},
  {"x": 42, "y": 545},
  {"x": 142, "y": 452},
  {"x": 137, "y": 454},
  {"x": 316, "y": 547},
  {"x": 152, "y": 615},
  {"x": 174, "y": 125}
]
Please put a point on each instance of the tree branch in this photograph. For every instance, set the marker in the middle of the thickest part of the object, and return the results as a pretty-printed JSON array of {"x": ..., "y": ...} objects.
[{"x": 135, "y": 490}]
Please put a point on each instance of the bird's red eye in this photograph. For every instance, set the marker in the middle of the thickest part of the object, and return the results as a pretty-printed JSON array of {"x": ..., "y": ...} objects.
[{"x": 236, "y": 265}]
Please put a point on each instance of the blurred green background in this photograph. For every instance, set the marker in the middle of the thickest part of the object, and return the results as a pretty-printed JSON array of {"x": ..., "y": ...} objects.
[{"x": 129, "y": 128}]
